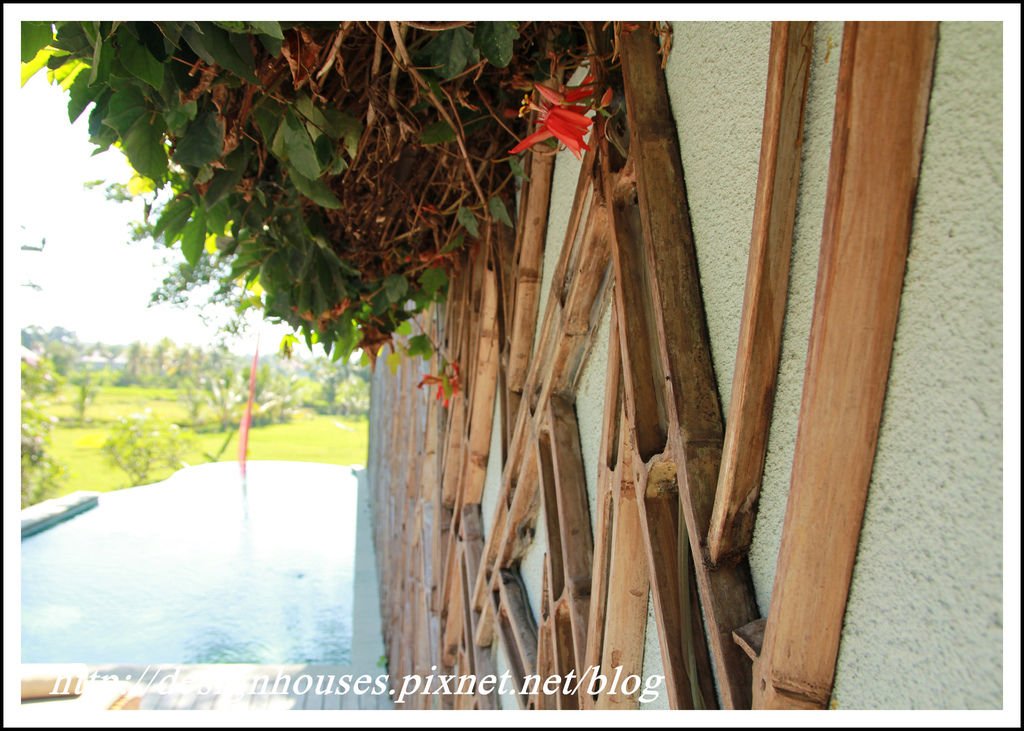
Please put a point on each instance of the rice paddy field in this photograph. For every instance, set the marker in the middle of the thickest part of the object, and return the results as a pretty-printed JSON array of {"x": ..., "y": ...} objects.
[{"x": 308, "y": 437}]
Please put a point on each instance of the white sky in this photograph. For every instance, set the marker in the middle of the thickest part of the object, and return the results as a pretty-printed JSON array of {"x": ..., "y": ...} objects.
[{"x": 93, "y": 280}]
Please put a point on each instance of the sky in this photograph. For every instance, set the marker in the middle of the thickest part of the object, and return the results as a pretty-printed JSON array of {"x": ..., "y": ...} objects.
[{"x": 92, "y": 279}]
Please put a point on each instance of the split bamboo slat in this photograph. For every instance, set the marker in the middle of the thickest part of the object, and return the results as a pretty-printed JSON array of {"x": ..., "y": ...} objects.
[
  {"x": 533, "y": 226},
  {"x": 764, "y": 301},
  {"x": 478, "y": 660},
  {"x": 678, "y": 458},
  {"x": 882, "y": 98},
  {"x": 677, "y": 484}
]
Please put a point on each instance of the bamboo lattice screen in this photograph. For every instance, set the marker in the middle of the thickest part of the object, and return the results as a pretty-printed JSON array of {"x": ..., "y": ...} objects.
[{"x": 677, "y": 483}]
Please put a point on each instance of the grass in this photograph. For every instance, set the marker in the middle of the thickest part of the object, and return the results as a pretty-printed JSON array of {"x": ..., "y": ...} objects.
[
  {"x": 308, "y": 438},
  {"x": 113, "y": 402}
]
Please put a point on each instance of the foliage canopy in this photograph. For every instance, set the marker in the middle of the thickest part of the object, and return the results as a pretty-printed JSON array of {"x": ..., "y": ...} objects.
[{"x": 337, "y": 171}]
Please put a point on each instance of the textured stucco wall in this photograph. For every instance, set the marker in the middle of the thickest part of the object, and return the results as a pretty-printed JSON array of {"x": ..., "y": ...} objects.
[
  {"x": 590, "y": 407},
  {"x": 716, "y": 79},
  {"x": 492, "y": 478}
]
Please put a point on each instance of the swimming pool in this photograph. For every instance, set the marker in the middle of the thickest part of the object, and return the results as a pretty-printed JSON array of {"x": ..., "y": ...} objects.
[{"x": 197, "y": 569}]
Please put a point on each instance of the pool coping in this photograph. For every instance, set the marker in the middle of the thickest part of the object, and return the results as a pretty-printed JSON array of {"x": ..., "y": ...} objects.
[{"x": 41, "y": 516}]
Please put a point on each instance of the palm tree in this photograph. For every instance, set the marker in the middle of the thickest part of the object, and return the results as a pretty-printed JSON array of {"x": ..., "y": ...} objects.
[{"x": 225, "y": 393}]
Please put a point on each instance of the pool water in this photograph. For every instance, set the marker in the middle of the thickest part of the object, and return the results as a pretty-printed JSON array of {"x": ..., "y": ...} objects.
[{"x": 198, "y": 569}]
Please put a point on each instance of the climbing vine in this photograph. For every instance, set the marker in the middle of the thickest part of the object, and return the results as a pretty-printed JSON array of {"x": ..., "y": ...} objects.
[{"x": 338, "y": 172}]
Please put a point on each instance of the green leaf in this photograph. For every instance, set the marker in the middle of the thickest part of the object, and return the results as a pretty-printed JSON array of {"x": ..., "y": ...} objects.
[
  {"x": 82, "y": 96},
  {"x": 393, "y": 360},
  {"x": 433, "y": 280},
  {"x": 316, "y": 190},
  {"x": 233, "y": 26},
  {"x": 35, "y": 36},
  {"x": 346, "y": 127},
  {"x": 126, "y": 107},
  {"x": 194, "y": 237},
  {"x": 292, "y": 144},
  {"x": 468, "y": 219},
  {"x": 140, "y": 62},
  {"x": 66, "y": 74},
  {"x": 30, "y": 69},
  {"x": 495, "y": 40},
  {"x": 304, "y": 106},
  {"x": 498, "y": 211},
  {"x": 268, "y": 27},
  {"x": 437, "y": 133},
  {"x": 405, "y": 328},
  {"x": 456, "y": 243},
  {"x": 217, "y": 217},
  {"x": 452, "y": 50},
  {"x": 172, "y": 220},
  {"x": 196, "y": 40},
  {"x": 102, "y": 60},
  {"x": 517, "y": 168},
  {"x": 396, "y": 286},
  {"x": 58, "y": 58},
  {"x": 273, "y": 46},
  {"x": 268, "y": 114},
  {"x": 91, "y": 29},
  {"x": 144, "y": 145},
  {"x": 420, "y": 345},
  {"x": 287, "y": 344},
  {"x": 222, "y": 184},
  {"x": 203, "y": 140},
  {"x": 150, "y": 36},
  {"x": 214, "y": 46},
  {"x": 178, "y": 118}
]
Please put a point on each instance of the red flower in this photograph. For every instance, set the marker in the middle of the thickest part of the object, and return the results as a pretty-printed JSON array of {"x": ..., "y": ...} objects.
[
  {"x": 559, "y": 118},
  {"x": 447, "y": 386}
]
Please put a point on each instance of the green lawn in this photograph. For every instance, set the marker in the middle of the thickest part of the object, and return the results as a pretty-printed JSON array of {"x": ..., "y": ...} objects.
[{"x": 308, "y": 438}]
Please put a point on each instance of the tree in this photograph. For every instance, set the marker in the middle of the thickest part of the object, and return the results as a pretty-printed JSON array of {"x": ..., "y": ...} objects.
[
  {"x": 275, "y": 398},
  {"x": 41, "y": 474},
  {"x": 225, "y": 394},
  {"x": 331, "y": 376},
  {"x": 139, "y": 444},
  {"x": 137, "y": 356},
  {"x": 354, "y": 396},
  {"x": 192, "y": 396},
  {"x": 86, "y": 390}
]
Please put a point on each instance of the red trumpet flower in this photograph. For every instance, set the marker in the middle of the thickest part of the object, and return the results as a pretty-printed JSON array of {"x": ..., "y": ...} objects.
[
  {"x": 558, "y": 117},
  {"x": 447, "y": 385}
]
